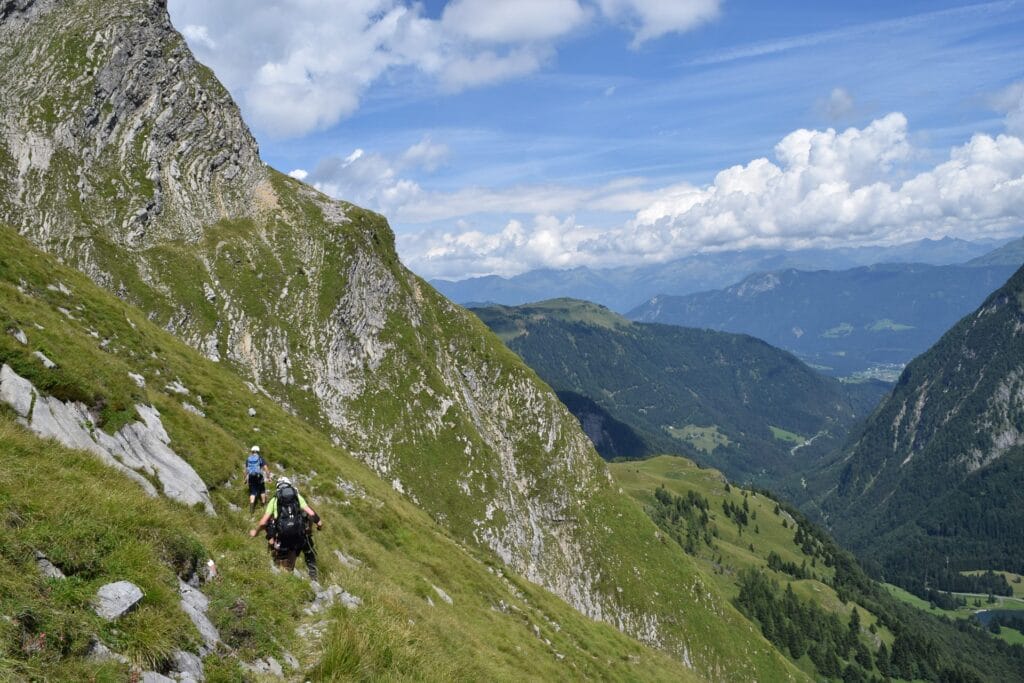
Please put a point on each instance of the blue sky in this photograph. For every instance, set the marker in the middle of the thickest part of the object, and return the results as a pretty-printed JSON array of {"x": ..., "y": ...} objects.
[{"x": 499, "y": 136}]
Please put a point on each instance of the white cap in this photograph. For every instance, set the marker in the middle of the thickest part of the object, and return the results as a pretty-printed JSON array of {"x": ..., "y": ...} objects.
[{"x": 255, "y": 449}]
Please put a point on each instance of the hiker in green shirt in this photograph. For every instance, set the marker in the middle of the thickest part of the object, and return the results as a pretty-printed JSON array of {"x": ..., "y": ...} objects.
[{"x": 288, "y": 520}]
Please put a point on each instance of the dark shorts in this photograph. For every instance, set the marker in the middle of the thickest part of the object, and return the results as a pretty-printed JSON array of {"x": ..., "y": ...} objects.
[{"x": 257, "y": 487}]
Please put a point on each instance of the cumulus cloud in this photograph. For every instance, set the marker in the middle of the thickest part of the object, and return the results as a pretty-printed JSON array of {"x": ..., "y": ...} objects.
[
  {"x": 512, "y": 21},
  {"x": 823, "y": 188},
  {"x": 302, "y": 65},
  {"x": 651, "y": 19}
]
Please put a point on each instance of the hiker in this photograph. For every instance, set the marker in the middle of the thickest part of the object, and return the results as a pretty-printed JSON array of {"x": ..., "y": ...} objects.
[
  {"x": 256, "y": 473},
  {"x": 289, "y": 522}
]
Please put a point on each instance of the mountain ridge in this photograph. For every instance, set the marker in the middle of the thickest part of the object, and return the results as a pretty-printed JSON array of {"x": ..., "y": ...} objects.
[
  {"x": 865, "y": 319},
  {"x": 727, "y": 400},
  {"x": 933, "y": 483},
  {"x": 625, "y": 288},
  {"x": 128, "y": 160}
]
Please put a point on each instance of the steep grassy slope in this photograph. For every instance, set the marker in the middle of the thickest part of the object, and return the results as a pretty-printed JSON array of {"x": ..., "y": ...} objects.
[
  {"x": 732, "y": 401},
  {"x": 98, "y": 527},
  {"x": 126, "y": 158},
  {"x": 747, "y": 542},
  {"x": 872, "y": 319},
  {"x": 933, "y": 486}
]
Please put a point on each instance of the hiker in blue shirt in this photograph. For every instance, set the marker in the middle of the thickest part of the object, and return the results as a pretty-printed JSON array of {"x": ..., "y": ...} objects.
[{"x": 257, "y": 473}]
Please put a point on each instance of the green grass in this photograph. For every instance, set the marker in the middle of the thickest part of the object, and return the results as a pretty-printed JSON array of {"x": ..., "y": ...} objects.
[
  {"x": 1015, "y": 580},
  {"x": 974, "y": 604},
  {"x": 705, "y": 439},
  {"x": 784, "y": 435},
  {"x": 839, "y": 331},
  {"x": 735, "y": 549},
  {"x": 886, "y": 325},
  {"x": 100, "y": 527}
]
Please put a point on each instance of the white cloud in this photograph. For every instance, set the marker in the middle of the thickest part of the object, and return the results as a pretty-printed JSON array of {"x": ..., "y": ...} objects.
[
  {"x": 425, "y": 154},
  {"x": 824, "y": 188},
  {"x": 1010, "y": 101},
  {"x": 651, "y": 19},
  {"x": 299, "y": 174},
  {"x": 512, "y": 21},
  {"x": 302, "y": 65},
  {"x": 199, "y": 35},
  {"x": 838, "y": 105}
]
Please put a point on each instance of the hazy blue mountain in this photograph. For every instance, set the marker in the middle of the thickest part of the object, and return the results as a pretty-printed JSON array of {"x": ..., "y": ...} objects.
[
  {"x": 621, "y": 289},
  {"x": 1010, "y": 254},
  {"x": 727, "y": 400},
  {"x": 874, "y": 318}
]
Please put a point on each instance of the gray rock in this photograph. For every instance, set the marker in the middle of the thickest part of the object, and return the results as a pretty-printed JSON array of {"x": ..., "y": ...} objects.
[
  {"x": 48, "y": 569},
  {"x": 137, "y": 447},
  {"x": 192, "y": 409},
  {"x": 188, "y": 667},
  {"x": 265, "y": 667},
  {"x": 444, "y": 596},
  {"x": 101, "y": 653},
  {"x": 139, "y": 380},
  {"x": 252, "y": 412},
  {"x": 19, "y": 334},
  {"x": 290, "y": 660},
  {"x": 326, "y": 597},
  {"x": 47, "y": 363},
  {"x": 16, "y": 391},
  {"x": 176, "y": 387},
  {"x": 350, "y": 562},
  {"x": 116, "y": 599},
  {"x": 195, "y": 605},
  {"x": 154, "y": 677}
]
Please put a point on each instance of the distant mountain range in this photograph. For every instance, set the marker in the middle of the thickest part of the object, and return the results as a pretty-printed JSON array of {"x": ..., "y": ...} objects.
[
  {"x": 727, "y": 400},
  {"x": 869, "y": 319},
  {"x": 935, "y": 484},
  {"x": 622, "y": 289}
]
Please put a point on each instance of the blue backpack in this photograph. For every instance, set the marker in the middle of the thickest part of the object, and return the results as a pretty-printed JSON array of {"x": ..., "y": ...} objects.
[{"x": 254, "y": 465}]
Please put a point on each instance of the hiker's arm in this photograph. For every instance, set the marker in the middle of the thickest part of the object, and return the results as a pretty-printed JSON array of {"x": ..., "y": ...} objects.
[
  {"x": 263, "y": 522},
  {"x": 311, "y": 513}
]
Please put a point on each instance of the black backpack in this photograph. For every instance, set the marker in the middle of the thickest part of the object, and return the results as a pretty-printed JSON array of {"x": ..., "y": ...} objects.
[{"x": 291, "y": 528}]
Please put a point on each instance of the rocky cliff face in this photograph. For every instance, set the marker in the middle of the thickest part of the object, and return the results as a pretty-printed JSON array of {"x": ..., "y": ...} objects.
[{"x": 126, "y": 158}]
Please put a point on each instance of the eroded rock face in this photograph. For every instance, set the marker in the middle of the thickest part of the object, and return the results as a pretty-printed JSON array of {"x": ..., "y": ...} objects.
[
  {"x": 114, "y": 600},
  {"x": 137, "y": 448}
]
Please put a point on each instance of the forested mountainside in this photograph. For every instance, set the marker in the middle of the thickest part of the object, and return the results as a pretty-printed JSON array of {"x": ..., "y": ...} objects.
[
  {"x": 933, "y": 486},
  {"x": 729, "y": 400},
  {"x": 870, "y": 320},
  {"x": 809, "y": 596},
  {"x": 125, "y": 158}
]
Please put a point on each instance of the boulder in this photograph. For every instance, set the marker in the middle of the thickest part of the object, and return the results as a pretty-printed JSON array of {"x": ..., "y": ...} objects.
[
  {"x": 47, "y": 363},
  {"x": 265, "y": 667},
  {"x": 116, "y": 599},
  {"x": 16, "y": 391},
  {"x": 154, "y": 677},
  {"x": 101, "y": 653},
  {"x": 188, "y": 667},
  {"x": 195, "y": 605},
  {"x": 444, "y": 596},
  {"x": 48, "y": 569}
]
